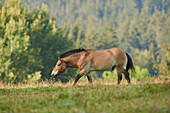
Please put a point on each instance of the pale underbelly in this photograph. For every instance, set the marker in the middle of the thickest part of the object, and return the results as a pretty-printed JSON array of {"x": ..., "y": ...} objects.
[{"x": 102, "y": 67}]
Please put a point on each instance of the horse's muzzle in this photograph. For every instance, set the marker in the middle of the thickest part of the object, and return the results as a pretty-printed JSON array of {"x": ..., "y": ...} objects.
[{"x": 53, "y": 74}]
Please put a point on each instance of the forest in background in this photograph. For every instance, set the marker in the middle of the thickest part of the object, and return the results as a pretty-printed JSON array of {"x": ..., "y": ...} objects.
[{"x": 34, "y": 33}]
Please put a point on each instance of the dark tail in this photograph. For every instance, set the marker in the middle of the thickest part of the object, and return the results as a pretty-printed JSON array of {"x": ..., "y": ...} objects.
[{"x": 129, "y": 63}]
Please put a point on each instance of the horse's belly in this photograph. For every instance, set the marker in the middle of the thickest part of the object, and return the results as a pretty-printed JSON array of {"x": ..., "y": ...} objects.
[
  {"x": 102, "y": 60},
  {"x": 102, "y": 66}
]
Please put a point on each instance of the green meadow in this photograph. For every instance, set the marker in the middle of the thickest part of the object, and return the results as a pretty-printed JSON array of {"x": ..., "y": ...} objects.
[{"x": 138, "y": 98}]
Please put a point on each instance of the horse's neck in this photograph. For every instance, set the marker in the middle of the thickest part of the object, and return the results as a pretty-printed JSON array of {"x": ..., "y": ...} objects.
[{"x": 71, "y": 61}]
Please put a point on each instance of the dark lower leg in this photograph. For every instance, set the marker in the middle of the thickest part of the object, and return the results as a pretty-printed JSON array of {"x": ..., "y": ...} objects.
[
  {"x": 77, "y": 78},
  {"x": 126, "y": 75},
  {"x": 119, "y": 73},
  {"x": 82, "y": 72},
  {"x": 119, "y": 78},
  {"x": 113, "y": 67},
  {"x": 89, "y": 79}
]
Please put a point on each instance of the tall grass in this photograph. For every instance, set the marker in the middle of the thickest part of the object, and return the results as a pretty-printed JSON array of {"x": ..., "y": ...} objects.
[{"x": 83, "y": 81}]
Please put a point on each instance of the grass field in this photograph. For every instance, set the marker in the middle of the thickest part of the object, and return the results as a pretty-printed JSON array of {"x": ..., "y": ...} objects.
[{"x": 105, "y": 98}]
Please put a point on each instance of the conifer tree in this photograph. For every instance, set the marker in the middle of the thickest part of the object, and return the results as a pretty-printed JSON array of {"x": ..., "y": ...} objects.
[
  {"x": 108, "y": 38},
  {"x": 15, "y": 41}
]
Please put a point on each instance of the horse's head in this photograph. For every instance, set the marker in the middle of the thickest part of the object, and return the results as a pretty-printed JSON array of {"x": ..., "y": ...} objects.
[{"x": 59, "y": 68}]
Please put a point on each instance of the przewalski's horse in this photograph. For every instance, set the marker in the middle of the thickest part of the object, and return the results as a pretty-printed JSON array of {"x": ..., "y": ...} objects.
[{"x": 88, "y": 60}]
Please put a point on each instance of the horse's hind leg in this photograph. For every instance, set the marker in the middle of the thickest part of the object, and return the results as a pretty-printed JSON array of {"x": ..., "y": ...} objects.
[
  {"x": 119, "y": 73},
  {"x": 126, "y": 73},
  {"x": 113, "y": 67}
]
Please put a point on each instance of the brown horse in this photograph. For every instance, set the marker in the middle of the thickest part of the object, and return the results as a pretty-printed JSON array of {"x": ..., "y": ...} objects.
[{"x": 88, "y": 60}]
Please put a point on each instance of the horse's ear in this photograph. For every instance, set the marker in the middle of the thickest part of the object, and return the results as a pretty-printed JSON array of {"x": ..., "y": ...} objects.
[{"x": 58, "y": 58}]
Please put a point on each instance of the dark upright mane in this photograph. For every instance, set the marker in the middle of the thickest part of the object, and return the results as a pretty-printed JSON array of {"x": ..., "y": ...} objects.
[{"x": 71, "y": 52}]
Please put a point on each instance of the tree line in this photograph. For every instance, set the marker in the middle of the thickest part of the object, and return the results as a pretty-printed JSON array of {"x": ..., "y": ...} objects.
[{"x": 34, "y": 34}]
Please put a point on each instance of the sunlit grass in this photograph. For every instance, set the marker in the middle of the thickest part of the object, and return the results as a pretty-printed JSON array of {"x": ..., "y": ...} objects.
[{"x": 83, "y": 81}]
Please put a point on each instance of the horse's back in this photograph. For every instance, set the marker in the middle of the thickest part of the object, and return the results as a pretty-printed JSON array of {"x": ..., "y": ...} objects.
[
  {"x": 118, "y": 52},
  {"x": 105, "y": 59},
  {"x": 113, "y": 52},
  {"x": 119, "y": 55}
]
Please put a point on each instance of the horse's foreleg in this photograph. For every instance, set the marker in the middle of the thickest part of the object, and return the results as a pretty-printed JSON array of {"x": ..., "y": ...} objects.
[
  {"x": 82, "y": 72},
  {"x": 89, "y": 79},
  {"x": 77, "y": 78}
]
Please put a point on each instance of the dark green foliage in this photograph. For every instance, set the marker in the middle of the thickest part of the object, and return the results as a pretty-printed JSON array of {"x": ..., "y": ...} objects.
[
  {"x": 164, "y": 66},
  {"x": 46, "y": 42},
  {"x": 34, "y": 33},
  {"x": 108, "y": 37},
  {"x": 30, "y": 43}
]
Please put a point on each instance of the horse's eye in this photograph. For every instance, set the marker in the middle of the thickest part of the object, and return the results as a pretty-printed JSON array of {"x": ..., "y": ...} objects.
[{"x": 59, "y": 64}]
